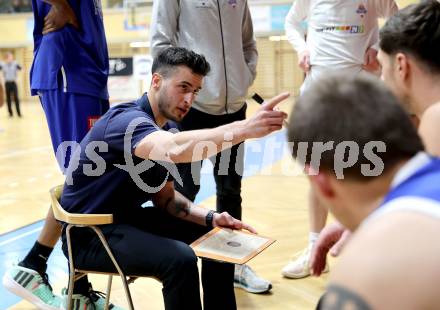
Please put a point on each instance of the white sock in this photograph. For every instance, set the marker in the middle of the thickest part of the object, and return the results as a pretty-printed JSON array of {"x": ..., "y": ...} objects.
[{"x": 313, "y": 237}]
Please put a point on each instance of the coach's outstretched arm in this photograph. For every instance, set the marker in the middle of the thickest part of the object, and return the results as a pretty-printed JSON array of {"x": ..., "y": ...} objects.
[{"x": 180, "y": 147}]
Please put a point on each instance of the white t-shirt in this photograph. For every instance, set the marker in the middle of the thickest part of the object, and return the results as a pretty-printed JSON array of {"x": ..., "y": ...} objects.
[{"x": 338, "y": 32}]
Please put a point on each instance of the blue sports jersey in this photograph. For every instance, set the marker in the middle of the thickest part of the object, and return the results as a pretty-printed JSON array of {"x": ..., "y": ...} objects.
[
  {"x": 425, "y": 183},
  {"x": 75, "y": 60},
  {"x": 92, "y": 189}
]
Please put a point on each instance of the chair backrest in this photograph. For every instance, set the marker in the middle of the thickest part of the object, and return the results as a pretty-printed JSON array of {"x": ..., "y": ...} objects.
[{"x": 75, "y": 218}]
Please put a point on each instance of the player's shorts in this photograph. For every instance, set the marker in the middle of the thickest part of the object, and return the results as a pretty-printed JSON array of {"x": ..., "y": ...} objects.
[
  {"x": 316, "y": 72},
  {"x": 69, "y": 117}
]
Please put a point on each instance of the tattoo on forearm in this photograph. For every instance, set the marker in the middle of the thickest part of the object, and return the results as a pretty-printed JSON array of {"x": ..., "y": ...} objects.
[
  {"x": 178, "y": 208},
  {"x": 181, "y": 207},
  {"x": 340, "y": 298}
]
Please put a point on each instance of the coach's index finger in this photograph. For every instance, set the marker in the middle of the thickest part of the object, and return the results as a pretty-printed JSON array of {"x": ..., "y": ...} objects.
[
  {"x": 249, "y": 228},
  {"x": 272, "y": 103}
]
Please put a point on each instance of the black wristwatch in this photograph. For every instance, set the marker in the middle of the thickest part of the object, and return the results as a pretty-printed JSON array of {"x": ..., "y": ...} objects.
[{"x": 208, "y": 219}]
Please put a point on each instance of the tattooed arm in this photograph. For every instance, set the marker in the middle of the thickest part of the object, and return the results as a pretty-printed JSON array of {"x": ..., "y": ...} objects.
[
  {"x": 179, "y": 206},
  {"x": 337, "y": 297},
  {"x": 391, "y": 262}
]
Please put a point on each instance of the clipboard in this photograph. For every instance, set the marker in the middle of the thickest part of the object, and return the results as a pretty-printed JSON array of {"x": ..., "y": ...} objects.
[{"x": 231, "y": 246}]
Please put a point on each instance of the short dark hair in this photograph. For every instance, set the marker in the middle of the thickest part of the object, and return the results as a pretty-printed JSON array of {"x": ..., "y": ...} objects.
[
  {"x": 415, "y": 30},
  {"x": 361, "y": 110},
  {"x": 169, "y": 59}
]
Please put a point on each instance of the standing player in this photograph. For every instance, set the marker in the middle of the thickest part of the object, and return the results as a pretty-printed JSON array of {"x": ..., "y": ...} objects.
[
  {"x": 10, "y": 68},
  {"x": 342, "y": 36},
  {"x": 69, "y": 73}
]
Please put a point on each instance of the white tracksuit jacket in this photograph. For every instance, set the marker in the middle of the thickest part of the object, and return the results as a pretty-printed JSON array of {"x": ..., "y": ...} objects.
[{"x": 222, "y": 31}]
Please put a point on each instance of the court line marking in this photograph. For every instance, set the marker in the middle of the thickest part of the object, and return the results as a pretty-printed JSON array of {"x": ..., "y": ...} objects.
[
  {"x": 21, "y": 236},
  {"x": 25, "y": 152}
]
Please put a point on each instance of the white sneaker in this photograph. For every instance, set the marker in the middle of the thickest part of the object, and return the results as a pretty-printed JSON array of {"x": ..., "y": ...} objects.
[
  {"x": 248, "y": 280},
  {"x": 300, "y": 267}
]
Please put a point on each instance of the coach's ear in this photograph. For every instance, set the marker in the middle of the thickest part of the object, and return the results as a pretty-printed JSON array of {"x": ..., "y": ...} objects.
[
  {"x": 402, "y": 66},
  {"x": 156, "y": 80},
  {"x": 321, "y": 183}
]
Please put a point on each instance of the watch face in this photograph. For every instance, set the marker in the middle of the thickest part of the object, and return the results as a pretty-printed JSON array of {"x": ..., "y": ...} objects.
[{"x": 209, "y": 217}]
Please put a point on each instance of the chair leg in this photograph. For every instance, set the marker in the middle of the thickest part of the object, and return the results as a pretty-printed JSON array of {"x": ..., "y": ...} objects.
[
  {"x": 71, "y": 270},
  {"x": 115, "y": 263},
  {"x": 109, "y": 289},
  {"x": 127, "y": 292}
]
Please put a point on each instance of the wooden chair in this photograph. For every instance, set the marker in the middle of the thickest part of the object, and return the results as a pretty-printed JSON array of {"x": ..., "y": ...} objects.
[{"x": 90, "y": 221}]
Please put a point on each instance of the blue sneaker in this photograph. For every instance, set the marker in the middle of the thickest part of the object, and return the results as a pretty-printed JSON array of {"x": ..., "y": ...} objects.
[{"x": 31, "y": 286}]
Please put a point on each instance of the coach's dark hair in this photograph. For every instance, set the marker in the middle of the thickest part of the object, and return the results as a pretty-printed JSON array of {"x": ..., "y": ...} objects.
[
  {"x": 415, "y": 30},
  {"x": 169, "y": 59},
  {"x": 342, "y": 109}
]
